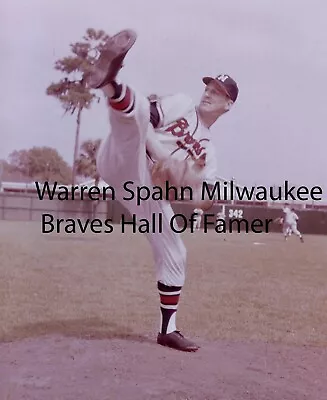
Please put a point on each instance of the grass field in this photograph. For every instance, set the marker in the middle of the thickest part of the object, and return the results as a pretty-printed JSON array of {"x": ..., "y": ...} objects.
[{"x": 103, "y": 286}]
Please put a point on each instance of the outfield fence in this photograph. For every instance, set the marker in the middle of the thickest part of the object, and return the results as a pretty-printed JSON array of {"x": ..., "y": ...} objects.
[{"x": 28, "y": 207}]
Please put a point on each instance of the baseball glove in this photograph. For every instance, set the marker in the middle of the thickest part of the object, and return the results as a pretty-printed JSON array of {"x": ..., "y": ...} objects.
[{"x": 177, "y": 173}]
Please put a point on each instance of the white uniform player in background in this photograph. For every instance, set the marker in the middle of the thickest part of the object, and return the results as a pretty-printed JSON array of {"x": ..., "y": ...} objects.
[
  {"x": 143, "y": 131},
  {"x": 197, "y": 219},
  {"x": 221, "y": 215},
  {"x": 290, "y": 219}
]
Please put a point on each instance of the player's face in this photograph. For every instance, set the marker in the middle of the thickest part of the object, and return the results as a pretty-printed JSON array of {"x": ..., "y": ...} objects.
[{"x": 214, "y": 100}]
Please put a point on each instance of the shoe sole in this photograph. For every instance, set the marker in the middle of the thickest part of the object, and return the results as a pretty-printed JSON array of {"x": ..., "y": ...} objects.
[
  {"x": 189, "y": 350},
  {"x": 111, "y": 57}
]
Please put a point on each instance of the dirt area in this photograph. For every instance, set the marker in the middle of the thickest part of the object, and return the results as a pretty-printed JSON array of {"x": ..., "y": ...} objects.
[{"x": 64, "y": 368}]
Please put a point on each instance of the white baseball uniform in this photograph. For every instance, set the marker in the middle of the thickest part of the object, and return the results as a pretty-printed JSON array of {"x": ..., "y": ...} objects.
[
  {"x": 198, "y": 218},
  {"x": 220, "y": 216},
  {"x": 290, "y": 222},
  {"x": 123, "y": 157}
]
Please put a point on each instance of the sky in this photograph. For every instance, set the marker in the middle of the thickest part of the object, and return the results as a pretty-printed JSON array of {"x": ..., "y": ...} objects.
[{"x": 275, "y": 50}]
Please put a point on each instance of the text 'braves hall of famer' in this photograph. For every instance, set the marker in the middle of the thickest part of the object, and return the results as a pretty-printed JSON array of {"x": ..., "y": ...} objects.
[{"x": 143, "y": 131}]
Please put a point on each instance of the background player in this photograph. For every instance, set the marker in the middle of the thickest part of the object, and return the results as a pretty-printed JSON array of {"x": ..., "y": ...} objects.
[
  {"x": 197, "y": 219},
  {"x": 144, "y": 132},
  {"x": 290, "y": 223},
  {"x": 221, "y": 215}
]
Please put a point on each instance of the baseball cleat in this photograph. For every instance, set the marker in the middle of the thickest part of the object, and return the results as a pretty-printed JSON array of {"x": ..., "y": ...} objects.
[
  {"x": 177, "y": 341},
  {"x": 111, "y": 59}
]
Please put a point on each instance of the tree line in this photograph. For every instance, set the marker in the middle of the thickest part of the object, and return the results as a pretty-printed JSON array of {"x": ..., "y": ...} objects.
[{"x": 46, "y": 164}]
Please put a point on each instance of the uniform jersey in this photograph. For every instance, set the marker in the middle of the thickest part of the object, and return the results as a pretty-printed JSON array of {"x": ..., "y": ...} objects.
[
  {"x": 198, "y": 211},
  {"x": 290, "y": 217},
  {"x": 221, "y": 215},
  {"x": 181, "y": 132}
]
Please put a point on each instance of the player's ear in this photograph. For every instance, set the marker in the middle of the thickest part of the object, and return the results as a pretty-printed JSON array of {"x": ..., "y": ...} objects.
[{"x": 228, "y": 105}]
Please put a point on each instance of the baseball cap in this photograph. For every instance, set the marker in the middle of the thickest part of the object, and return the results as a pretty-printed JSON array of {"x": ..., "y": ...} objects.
[{"x": 226, "y": 83}]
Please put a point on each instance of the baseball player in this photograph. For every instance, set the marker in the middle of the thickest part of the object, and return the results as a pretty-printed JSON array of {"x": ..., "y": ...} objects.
[
  {"x": 290, "y": 223},
  {"x": 143, "y": 133},
  {"x": 197, "y": 220},
  {"x": 221, "y": 215}
]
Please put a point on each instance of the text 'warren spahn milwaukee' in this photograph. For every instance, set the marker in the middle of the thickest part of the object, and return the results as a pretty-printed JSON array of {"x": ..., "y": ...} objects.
[{"x": 220, "y": 191}]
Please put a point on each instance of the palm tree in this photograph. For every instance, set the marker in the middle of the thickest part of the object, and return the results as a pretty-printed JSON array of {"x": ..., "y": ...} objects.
[{"x": 71, "y": 90}]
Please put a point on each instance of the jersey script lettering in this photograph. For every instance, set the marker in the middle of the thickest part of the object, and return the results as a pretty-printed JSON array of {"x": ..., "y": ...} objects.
[{"x": 180, "y": 130}]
